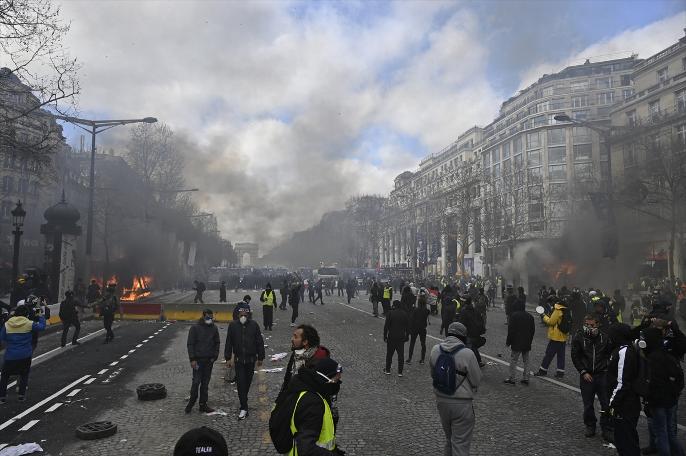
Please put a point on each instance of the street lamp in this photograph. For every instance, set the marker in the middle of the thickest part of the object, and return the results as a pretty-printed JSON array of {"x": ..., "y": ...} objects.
[
  {"x": 18, "y": 214},
  {"x": 95, "y": 127},
  {"x": 610, "y": 235}
]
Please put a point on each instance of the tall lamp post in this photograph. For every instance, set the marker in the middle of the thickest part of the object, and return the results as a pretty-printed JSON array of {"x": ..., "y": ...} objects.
[
  {"x": 18, "y": 214},
  {"x": 94, "y": 127},
  {"x": 610, "y": 236}
]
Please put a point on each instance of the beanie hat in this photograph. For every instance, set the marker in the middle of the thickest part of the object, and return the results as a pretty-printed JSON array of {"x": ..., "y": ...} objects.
[
  {"x": 243, "y": 307},
  {"x": 328, "y": 367},
  {"x": 201, "y": 441},
  {"x": 457, "y": 329}
]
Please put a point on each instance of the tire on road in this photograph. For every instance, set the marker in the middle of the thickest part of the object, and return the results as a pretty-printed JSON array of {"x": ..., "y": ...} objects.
[
  {"x": 151, "y": 391},
  {"x": 96, "y": 430}
]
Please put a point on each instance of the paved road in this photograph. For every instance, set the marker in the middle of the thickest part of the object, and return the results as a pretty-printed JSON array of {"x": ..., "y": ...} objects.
[{"x": 380, "y": 415}]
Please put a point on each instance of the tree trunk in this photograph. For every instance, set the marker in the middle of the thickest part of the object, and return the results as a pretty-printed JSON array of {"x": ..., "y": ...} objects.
[{"x": 672, "y": 242}]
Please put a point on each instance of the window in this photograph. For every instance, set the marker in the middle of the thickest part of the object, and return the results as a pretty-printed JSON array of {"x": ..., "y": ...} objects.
[
  {"x": 557, "y": 104},
  {"x": 519, "y": 178},
  {"x": 579, "y": 102},
  {"x": 558, "y": 190},
  {"x": 518, "y": 161},
  {"x": 547, "y": 91},
  {"x": 507, "y": 166},
  {"x": 535, "y": 211},
  {"x": 580, "y": 115},
  {"x": 556, "y": 136},
  {"x": 606, "y": 98},
  {"x": 603, "y": 83},
  {"x": 627, "y": 93},
  {"x": 535, "y": 193},
  {"x": 604, "y": 171},
  {"x": 557, "y": 154},
  {"x": 557, "y": 172},
  {"x": 517, "y": 143},
  {"x": 681, "y": 133},
  {"x": 631, "y": 118},
  {"x": 581, "y": 135},
  {"x": 579, "y": 86},
  {"x": 6, "y": 209},
  {"x": 680, "y": 100},
  {"x": 629, "y": 155},
  {"x": 496, "y": 171},
  {"x": 534, "y": 175},
  {"x": 533, "y": 140},
  {"x": 662, "y": 75},
  {"x": 583, "y": 171},
  {"x": 533, "y": 158},
  {"x": 7, "y": 184},
  {"x": 9, "y": 160},
  {"x": 494, "y": 156},
  {"x": 558, "y": 209},
  {"x": 625, "y": 79},
  {"x": 540, "y": 120},
  {"x": 23, "y": 186},
  {"x": 485, "y": 160},
  {"x": 506, "y": 150},
  {"x": 654, "y": 109},
  {"x": 583, "y": 152}
]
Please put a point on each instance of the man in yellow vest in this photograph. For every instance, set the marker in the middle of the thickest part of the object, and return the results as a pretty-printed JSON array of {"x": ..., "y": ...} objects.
[
  {"x": 268, "y": 300},
  {"x": 312, "y": 423},
  {"x": 386, "y": 298}
]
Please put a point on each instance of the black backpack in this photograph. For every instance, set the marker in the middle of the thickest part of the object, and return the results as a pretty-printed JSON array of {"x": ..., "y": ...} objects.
[
  {"x": 280, "y": 422},
  {"x": 565, "y": 324}
]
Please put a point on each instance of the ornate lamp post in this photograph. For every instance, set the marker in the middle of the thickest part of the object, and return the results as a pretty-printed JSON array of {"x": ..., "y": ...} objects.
[{"x": 18, "y": 214}]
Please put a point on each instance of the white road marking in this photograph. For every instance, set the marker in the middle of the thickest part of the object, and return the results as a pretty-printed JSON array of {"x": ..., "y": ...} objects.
[
  {"x": 42, "y": 403},
  {"x": 131, "y": 351},
  {"x": 74, "y": 393},
  {"x": 59, "y": 404},
  {"x": 145, "y": 341},
  {"x": 102, "y": 371},
  {"x": 139, "y": 345},
  {"x": 123, "y": 356},
  {"x": 89, "y": 381},
  {"x": 114, "y": 363},
  {"x": 29, "y": 425}
]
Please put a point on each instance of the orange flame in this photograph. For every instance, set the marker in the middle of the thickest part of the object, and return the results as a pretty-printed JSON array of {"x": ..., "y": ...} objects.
[
  {"x": 564, "y": 269},
  {"x": 139, "y": 289}
]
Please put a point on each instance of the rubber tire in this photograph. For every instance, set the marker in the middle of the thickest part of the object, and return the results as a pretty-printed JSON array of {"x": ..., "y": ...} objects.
[
  {"x": 96, "y": 430},
  {"x": 151, "y": 391}
]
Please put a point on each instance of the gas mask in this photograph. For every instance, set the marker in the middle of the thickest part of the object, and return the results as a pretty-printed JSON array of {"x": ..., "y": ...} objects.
[
  {"x": 590, "y": 331},
  {"x": 243, "y": 319}
]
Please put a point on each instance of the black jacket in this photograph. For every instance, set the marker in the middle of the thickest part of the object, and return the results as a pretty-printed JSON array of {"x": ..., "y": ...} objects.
[
  {"x": 222, "y": 292},
  {"x": 309, "y": 414},
  {"x": 245, "y": 341},
  {"x": 203, "y": 341},
  {"x": 510, "y": 303},
  {"x": 664, "y": 372},
  {"x": 471, "y": 319},
  {"x": 520, "y": 331},
  {"x": 623, "y": 400},
  {"x": 68, "y": 309},
  {"x": 418, "y": 319},
  {"x": 397, "y": 326},
  {"x": 590, "y": 355}
]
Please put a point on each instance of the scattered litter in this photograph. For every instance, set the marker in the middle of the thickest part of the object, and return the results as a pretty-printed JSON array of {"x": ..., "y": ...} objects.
[
  {"x": 272, "y": 370},
  {"x": 279, "y": 356},
  {"x": 605, "y": 445},
  {"x": 217, "y": 412},
  {"x": 18, "y": 450},
  {"x": 122, "y": 440}
]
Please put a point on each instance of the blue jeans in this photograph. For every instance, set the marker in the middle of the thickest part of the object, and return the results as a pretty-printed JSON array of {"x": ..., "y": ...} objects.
[
  {"x": 554, "y": 349},
  {"x": 663, "y": 427}
]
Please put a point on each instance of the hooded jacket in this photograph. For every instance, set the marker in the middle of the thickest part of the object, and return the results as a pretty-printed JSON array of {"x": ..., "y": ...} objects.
[
  {"x": 203, "y": 341},
  {"x": 520, "y": 330},
  {"x": 396, "y": 329},
  {"x": 622, "y": 372},
  {"x": 465, "y": 361},
  {"x": 16, "y": 334},
  {"x": 553, "y": 321},
  {"x": 245, "y": 341}
]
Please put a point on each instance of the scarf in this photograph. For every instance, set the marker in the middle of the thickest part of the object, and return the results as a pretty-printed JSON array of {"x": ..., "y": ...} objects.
[{"x": 301, "y": 359}]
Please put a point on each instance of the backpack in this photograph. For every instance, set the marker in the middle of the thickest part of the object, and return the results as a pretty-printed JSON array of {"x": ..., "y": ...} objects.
[
  {"x": 641, "y": 384},
  {"x": 444, "y": 372},
  {"x": 280, "y": 422},
  {"x": 565, "y": 324}
]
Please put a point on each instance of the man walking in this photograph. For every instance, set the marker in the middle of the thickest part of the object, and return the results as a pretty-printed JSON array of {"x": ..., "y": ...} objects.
[
  {"x": 284, "y": 294},
  {"x": 294, "y": 299},
  {"x": 268, "y": 300},
  {"x": 395, "y": 334},
  {"x": 93, "y": 293},
  {"x": 244, "y": 346},
  {"x": 387, "y": 295},
  {"x": 318, "y": 288},
  {"x": 418, "y": 322},
  {"x": 520, "y": 334},
  {"x": 109, "y": 304},
  {"x": 456, "y": 377},
  {"x": 203, "y": 351},
  {"x": 590, "y": 355},
  {"x": 69, "y": 315},
  {"x": 375, "y": 297},
  {"x": 222, "y": 292},
  {"x": 510, "y": 300},
  {"x": 557, "y": 337},
  {"x": 199, "y": 288}
]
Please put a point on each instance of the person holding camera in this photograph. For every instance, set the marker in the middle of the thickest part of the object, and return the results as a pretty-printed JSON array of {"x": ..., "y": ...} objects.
[{"x": 16, "y": 335}]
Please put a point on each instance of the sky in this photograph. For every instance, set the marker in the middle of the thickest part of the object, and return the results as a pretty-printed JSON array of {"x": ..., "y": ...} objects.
[{"x": 286, "y": 109}]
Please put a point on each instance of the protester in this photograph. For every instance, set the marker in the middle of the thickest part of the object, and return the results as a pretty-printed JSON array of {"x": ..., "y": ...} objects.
[
  {"x": 481, "y": 305},
  {"x": 222, "y": 292},
  {"x": 520, "y": 334},
  {"x": 387, "y": 295},
  {"x": 449, "y": 307},
  {"x": 319, "y": 287},
  {"x": 510, "y": 300},
  {"x": 407, "y": 299},
  {"x": 109, "y": 304},
  {"x": 284, "y": 295},
  {"x": 93, "y": 293},
  {"x": 203, "y": 350},
  {"x": 304, "y": 346},
  {"x": 419, "y": 319},
  {"x": 471, "y": 319},
  {"x": 294, "y": 301},
  {"x": 69, "y": 315},
  {"x": 199, "y": 288},
  {"x": 16, "y": 336},
  {"x": 244, "y": 346},
  {"x": 556, "y": 339},
  {"x": 456, "y": 378},
  {"x": 375, "y": 295},
  {"x": 268, "y": 300},
  {"x": 590, "y": 355},
  {"x": 395, "y": 334},
  {"x": 202, "y": 440}
]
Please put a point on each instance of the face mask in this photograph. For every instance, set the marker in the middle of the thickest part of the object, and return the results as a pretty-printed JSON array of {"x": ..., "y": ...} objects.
[
  {"x": 590, "y": 331},
  {"x": 299, "y": 351},
  {"x": 332, "y": 389},
  {"x": 243, "y": 319},
  {"x": 208, "y": 321}
]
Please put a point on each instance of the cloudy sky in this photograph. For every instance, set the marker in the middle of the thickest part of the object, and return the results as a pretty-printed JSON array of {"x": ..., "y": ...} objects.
[{"x": 287, "y": 109}]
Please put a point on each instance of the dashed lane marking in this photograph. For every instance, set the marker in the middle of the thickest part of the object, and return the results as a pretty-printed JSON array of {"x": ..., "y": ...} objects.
[
  {"x": 57, "y": 405},
  {"x": 74, "y": 393},
  {"x": 102, "y": 371},
  {"x": 114, "y": 363},
  {"x": 123, "y": 356},
  {"x": 139, "y": 345},
  {"x": 89, "y": 381},
  {"x": 145, "y": 341},
  {"x": 28, "y": 425},
  {"x": 131, "y": 351},
  {"x": 42, "y": 403}
]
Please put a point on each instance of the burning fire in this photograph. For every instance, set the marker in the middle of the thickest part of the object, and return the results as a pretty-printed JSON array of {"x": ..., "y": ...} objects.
[
  {"x": 139, "y": 289},
  {"x": 564, "y": 269}
]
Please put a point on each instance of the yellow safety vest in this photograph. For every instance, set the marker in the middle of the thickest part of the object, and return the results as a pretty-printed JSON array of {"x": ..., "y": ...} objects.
[
  {"x": 387, "y": 292},
  {"x": 269, "y": 299},
  {"x": 327, "y": 438}
]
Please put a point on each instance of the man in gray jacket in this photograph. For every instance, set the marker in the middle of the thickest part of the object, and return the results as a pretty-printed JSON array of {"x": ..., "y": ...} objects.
[
  {"x": 455, "y": 409},
  {"x": 203, "y": 351}
]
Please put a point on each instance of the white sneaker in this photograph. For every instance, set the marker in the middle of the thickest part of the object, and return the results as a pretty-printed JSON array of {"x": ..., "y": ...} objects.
[{"x": 243, "y": 414}]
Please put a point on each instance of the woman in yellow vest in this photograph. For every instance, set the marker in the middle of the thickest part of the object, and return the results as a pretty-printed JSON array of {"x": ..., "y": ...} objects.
[
  {"x": 312, "y": 423},
  {"x": 268, "y": 300}
]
